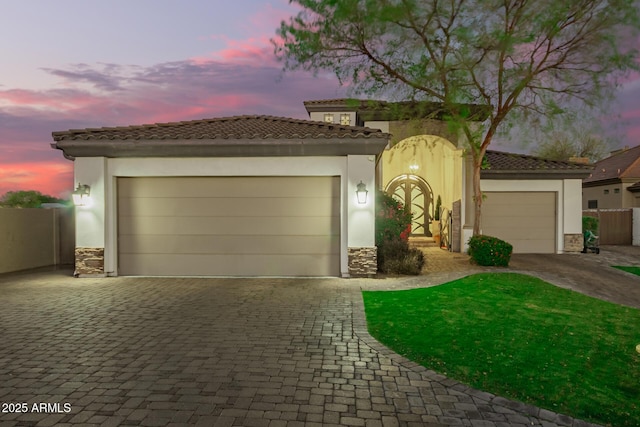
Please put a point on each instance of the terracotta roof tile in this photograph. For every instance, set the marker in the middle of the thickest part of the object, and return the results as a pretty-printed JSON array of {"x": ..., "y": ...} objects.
[
  {"x": 501, "y": 161},
  {"x": 237, "y": 127},
  {"x": 625, "y": 164}
]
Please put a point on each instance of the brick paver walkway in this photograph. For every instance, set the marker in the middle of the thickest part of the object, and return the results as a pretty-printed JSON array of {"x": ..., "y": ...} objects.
[{"x": 219, "y": 352}]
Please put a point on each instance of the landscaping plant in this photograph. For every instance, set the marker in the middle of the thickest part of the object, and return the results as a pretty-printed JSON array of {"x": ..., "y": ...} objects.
[
  {"x": 590, "y": 223},
  {"x": 393, "y": 226},
  {"x": 490, "y": 251}
]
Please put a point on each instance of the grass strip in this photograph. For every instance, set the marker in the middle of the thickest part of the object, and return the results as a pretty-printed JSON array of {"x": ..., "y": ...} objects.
[
  {"x": 634, "y": 270},
  {"x": 522, "y": 338}
]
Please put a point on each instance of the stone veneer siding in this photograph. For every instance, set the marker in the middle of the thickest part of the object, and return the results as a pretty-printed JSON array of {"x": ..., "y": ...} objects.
[
  {"x": 363, "y": 262},
  {"x": 573, "y": 242},
  {"x": 89, "y": 262}
]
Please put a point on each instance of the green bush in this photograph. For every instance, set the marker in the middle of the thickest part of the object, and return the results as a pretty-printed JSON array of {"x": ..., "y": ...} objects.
[
  {"x": 392, "y": 219},
  {"x": 490, "y": 251},
  {"x": 393, "y": 226},
  {"x": 590, "y": 223}
]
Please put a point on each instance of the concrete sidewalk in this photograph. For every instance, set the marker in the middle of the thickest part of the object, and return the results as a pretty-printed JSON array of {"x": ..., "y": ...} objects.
[{"x": 220, "y": 352}]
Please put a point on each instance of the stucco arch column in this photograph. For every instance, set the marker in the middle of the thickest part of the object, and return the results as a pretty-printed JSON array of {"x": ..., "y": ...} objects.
[
  {"x": 90, "y": 219},
  {"x": 362, "y": 251}
]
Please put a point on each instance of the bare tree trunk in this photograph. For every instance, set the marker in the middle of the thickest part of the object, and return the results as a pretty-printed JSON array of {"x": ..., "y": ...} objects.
[{"x": 477, "y": 195}]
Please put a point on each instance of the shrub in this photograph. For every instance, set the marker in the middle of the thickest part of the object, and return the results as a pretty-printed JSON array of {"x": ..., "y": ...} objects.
[
  {"x": 393, "y": 226},
  {"x": 395, "y": 257},
  {"x": 436, "y": 213},
  {"x": 489, "y": 251},
  {"x": 590, "y": 223},
  {"x": 410, "y": 263},
  {"x": 392, "y": 220}
]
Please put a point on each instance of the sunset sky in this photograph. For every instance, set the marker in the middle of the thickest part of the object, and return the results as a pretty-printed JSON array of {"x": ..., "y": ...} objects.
[{"x": 71, "y": 64}]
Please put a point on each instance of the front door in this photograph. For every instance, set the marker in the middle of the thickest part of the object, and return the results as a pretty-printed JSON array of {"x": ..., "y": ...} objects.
[{"x": 416, "y": 194}]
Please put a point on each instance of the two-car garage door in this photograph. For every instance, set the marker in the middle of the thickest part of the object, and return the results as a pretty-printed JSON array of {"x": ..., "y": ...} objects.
[
  {"x": 527, "y": 220},
  {"x": 229, "y": 226}
]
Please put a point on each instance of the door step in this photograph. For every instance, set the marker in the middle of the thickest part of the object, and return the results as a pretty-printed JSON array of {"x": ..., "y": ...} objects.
[{"x": 422, "y": 242}]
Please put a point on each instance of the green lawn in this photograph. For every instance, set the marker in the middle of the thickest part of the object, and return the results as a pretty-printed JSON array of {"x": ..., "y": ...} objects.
[
  {"x": 634, "y": 270},
  {"x": 519, "y": 337}
]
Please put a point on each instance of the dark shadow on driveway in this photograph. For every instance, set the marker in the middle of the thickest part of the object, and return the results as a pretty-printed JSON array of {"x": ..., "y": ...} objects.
[{"x": 591, "y": 274}]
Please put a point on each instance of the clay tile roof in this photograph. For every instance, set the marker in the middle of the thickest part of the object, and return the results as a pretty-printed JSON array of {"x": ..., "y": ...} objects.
[
  {"x": 501, "y": 161},
  {"x": 625, "y": 164},
  {"x": 237, "y": 127}
]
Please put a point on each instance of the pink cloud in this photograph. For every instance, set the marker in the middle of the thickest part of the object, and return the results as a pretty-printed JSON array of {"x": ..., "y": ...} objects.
[{"x": 54, "y": 178}]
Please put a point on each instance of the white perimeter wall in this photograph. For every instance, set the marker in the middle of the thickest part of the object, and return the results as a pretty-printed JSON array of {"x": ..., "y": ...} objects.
[
  {"x": 636, "y": 227},
  {"x": 96, "y": 223},
  {"x": 34, "y": 238}
]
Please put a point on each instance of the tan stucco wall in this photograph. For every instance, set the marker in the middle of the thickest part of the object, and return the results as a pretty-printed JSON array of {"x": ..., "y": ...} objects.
[
  {"x": 439, "y": 163},
  {"x": 32, "y": 238},
  {"x": 623, "y": 199},
  {"x": 319, "y": 116}
]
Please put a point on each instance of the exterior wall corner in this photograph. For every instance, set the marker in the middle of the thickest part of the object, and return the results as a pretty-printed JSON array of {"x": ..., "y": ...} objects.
[
  {"x": 89, "y": 262},
  {"x": 573, "y": 242}
]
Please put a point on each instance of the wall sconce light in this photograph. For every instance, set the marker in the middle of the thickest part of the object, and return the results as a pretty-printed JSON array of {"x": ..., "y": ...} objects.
[
  {"x": 361, "y": 193},
  {"x": 413, "y": 168},
  {"x": 82, "y": 195}
]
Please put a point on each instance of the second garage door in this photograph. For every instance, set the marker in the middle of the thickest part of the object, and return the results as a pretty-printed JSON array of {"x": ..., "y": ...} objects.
[
  {"x": 229, "y": 226},
  {"x": 527, "y": 220}
]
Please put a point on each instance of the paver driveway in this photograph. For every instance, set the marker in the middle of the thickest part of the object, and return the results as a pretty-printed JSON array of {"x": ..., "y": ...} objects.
[{"x": 251, "y": 352}]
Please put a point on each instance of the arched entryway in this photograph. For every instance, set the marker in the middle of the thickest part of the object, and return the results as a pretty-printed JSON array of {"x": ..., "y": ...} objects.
[{"x": 416, "y": 194}]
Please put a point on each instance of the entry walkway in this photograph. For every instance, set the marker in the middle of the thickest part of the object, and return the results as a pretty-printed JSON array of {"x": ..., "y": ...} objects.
[{"x": 220, "y": 352}]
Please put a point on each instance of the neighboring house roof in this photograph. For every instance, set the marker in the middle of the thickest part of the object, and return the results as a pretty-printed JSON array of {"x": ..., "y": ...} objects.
[
  {"x": 228, "y": 136},
  {"x": 371, "y": 109},
  {"x": 501, "y": 165},
  {"x": 635, "y": 188},
  {"x": 622, "y": 165}
]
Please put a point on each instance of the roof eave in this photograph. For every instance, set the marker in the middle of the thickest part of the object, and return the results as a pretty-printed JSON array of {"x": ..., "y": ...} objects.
[
  {"x": 599, "y": 182},
  {"x": 223, "y": 148},
  {"x": 523, "y": 174}
]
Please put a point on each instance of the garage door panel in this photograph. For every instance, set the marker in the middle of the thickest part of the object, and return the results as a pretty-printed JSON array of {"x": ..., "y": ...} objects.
[
  {"x": 225, "y": 206},
  {"x": 229, "y": 226},
  {"x": 274, "y": 226},
  {"x": 250, "y": 265},
  {"x": 515, "y": 223},
  {"x": 527, "y": 220},
  {"x": 184, "y": 187},
  {"x": 224, "y": 245}
]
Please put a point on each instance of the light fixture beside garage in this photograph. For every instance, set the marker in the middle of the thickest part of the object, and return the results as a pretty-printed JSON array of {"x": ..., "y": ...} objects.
[
  {"x": 361, "y": 193},
  {"x": 81, "y": 195}
]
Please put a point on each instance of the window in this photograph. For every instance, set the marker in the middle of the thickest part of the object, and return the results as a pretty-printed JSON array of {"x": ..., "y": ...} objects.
[
  {"x": 345, "y": 119},
  {"x": 592, "y": 204},
  {"x": 616, "y": 190},
  {"x": 328, "y": 118},
  {"x": 606, "y": 191}
]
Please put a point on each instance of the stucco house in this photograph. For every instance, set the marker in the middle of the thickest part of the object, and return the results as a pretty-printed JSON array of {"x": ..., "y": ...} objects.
[
  {"x": 533, "y": 203},
  {"x": 614, "y": 182},
  {"x": 272, "y": 196}
]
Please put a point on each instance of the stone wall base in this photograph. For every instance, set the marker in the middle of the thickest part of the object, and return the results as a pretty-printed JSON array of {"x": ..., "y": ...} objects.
[
  {"x": 89, "y": 262},
  {"x": 573, "y": 242},
  {"x": 363, "y": 262}
]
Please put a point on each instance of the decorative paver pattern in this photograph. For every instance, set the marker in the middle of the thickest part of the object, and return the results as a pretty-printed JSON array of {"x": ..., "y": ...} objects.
[{"x": 221, "y": 352}]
